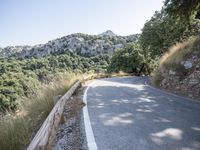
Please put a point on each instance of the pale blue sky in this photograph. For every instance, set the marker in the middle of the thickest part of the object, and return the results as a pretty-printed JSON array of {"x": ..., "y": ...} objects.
[{"x": 30, "y": 22}]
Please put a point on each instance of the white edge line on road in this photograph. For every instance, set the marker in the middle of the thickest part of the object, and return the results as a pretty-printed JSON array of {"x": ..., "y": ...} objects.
[{"x": 88, "y": 128}]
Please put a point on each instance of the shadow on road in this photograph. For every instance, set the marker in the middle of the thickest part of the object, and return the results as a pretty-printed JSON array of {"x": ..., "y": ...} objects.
[{"x": 142, "y": 116}]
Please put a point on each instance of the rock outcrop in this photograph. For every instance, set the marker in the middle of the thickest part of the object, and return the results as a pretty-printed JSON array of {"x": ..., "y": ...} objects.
[{"x": 82, "y": 44}]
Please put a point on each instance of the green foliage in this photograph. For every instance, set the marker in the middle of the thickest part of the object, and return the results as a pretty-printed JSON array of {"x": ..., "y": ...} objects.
[
  {"x": 20, "y": 78},
  {"x": 164, "y": 30},
  {"x": 177, "y": 21},
  {"x": 130, "y": 59},
  {"x": 16, "y": 131},
  {"x": 159, "y": 33},
  {"x": 183, "y": 9}
]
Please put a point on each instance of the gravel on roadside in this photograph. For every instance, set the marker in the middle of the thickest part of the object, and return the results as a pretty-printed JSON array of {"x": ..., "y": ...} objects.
[{"x": 71, "y": 133}]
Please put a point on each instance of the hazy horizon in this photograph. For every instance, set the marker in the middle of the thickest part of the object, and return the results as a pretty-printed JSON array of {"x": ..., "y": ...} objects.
[
  {"x": 63, "y": 36},
  {"x": 37, "y": 22}
]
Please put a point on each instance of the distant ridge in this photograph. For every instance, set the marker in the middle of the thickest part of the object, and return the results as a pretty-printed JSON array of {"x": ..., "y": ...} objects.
[
  {"x": 81, "y": 44},
  {"x": 108, "y": 33}
]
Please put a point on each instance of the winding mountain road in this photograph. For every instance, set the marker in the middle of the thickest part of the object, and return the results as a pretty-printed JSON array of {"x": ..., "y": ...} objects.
[{"x": 126, "y": 114}]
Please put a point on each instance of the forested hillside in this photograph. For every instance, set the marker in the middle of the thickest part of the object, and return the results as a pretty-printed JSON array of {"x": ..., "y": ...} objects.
[
  {"x": 20, "y": 78},
  {"x": 23, "y": 68},
  {"x": 28, "y": 88}
]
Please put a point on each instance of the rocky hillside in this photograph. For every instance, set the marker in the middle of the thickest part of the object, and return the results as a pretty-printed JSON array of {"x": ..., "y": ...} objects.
[
  {"x": 179, "y": 69},
  {"x": 108, "y": 33},
  {"x": 82, "y": 44}
]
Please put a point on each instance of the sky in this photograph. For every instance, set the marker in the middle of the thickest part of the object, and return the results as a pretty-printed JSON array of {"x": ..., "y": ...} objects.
[{"x": 30, "y": 22}]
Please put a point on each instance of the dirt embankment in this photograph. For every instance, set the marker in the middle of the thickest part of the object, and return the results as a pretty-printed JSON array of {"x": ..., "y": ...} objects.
[{"x": 179, "y": 70}]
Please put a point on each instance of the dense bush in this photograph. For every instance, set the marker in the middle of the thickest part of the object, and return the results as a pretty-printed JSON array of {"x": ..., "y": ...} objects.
[
  {"x": 17, "y": 131},
  {"x": 131, "y": 59},
  {"x": 20, "y": 78},
  {"x": 161, "y": 32}
]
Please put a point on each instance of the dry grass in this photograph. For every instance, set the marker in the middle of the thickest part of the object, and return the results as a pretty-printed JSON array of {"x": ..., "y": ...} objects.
[
  {"x": 17, "y": 130},
  {"x": 180, "y": 51},
  {"x": 91, "y": 76},
  {"x": 156, "y": 78},
  {"x": 171, "y": 60}
]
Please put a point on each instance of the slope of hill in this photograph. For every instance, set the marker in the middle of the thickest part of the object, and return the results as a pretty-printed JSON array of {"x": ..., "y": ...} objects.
[
  {"x": 18, "y": 64},
  {"x": 81, "y": 44},
  {"x": 179, "y": 69}
]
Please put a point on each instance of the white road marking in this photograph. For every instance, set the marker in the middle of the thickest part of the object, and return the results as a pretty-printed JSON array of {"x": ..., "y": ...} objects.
[{"x": 88, "y": 128}]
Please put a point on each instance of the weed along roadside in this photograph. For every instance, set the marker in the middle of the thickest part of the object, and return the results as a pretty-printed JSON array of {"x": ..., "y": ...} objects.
[
  {"x": 63, "y": 110},
  {"x": 178, "y": 71},
  {"x": 17, "y": 130},
  {"x": 70, "y": 131},
  {"x": 44, "y": 137}
]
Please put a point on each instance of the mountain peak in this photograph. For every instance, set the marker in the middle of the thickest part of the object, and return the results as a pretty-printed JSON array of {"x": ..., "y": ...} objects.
[{"x": 108, "y": 33}]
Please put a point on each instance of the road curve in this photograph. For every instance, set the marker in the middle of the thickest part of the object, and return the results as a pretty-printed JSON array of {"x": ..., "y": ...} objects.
[{"x": 126, "y": 114}]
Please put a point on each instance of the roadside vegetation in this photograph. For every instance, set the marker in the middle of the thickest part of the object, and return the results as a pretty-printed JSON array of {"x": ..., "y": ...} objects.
[
  {"x": 20, "y": 78},
  {"x": 131, "y": 59},
  {"x": 174, "y": 28},
  {"x": 17, "y": 130},
  {"x": 172, "y": 59},
  {"x": 27, "y": 88},
  {"x": 179, "y": 52},
  {"x": 182, "y": 38}
]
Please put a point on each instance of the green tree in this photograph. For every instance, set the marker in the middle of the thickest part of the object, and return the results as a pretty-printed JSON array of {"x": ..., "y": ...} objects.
[
  {"x": 130, "y": 59},
  {"x": 159, "y": 33},
  {"x": 183, "y": 9}
]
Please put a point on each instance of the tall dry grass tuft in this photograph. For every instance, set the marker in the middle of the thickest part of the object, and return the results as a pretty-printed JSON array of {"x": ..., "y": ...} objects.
[
  {"x": 180, "y": 51},
  {"x": 172, "y": 59},
  {"x": 17, "y": 130}
]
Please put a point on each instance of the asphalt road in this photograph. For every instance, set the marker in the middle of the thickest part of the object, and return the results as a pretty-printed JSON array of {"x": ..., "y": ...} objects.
[{"x": 126, "y": 114}]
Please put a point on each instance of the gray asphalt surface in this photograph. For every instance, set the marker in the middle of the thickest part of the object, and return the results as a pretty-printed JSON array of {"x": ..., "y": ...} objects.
[{"x": 126, "y": 114}]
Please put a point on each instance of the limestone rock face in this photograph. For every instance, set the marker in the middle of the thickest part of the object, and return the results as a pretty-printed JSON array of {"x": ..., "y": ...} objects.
[{"x": 82, "y": 44}]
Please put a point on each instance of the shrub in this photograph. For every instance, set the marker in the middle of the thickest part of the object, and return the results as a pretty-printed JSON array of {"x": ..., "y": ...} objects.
[
  {"x": 131, "y": 59},
  {"x": 179, "y": 52},
  {"x": 17, "y": 130},
  {"x": 20, "y": 78}
]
